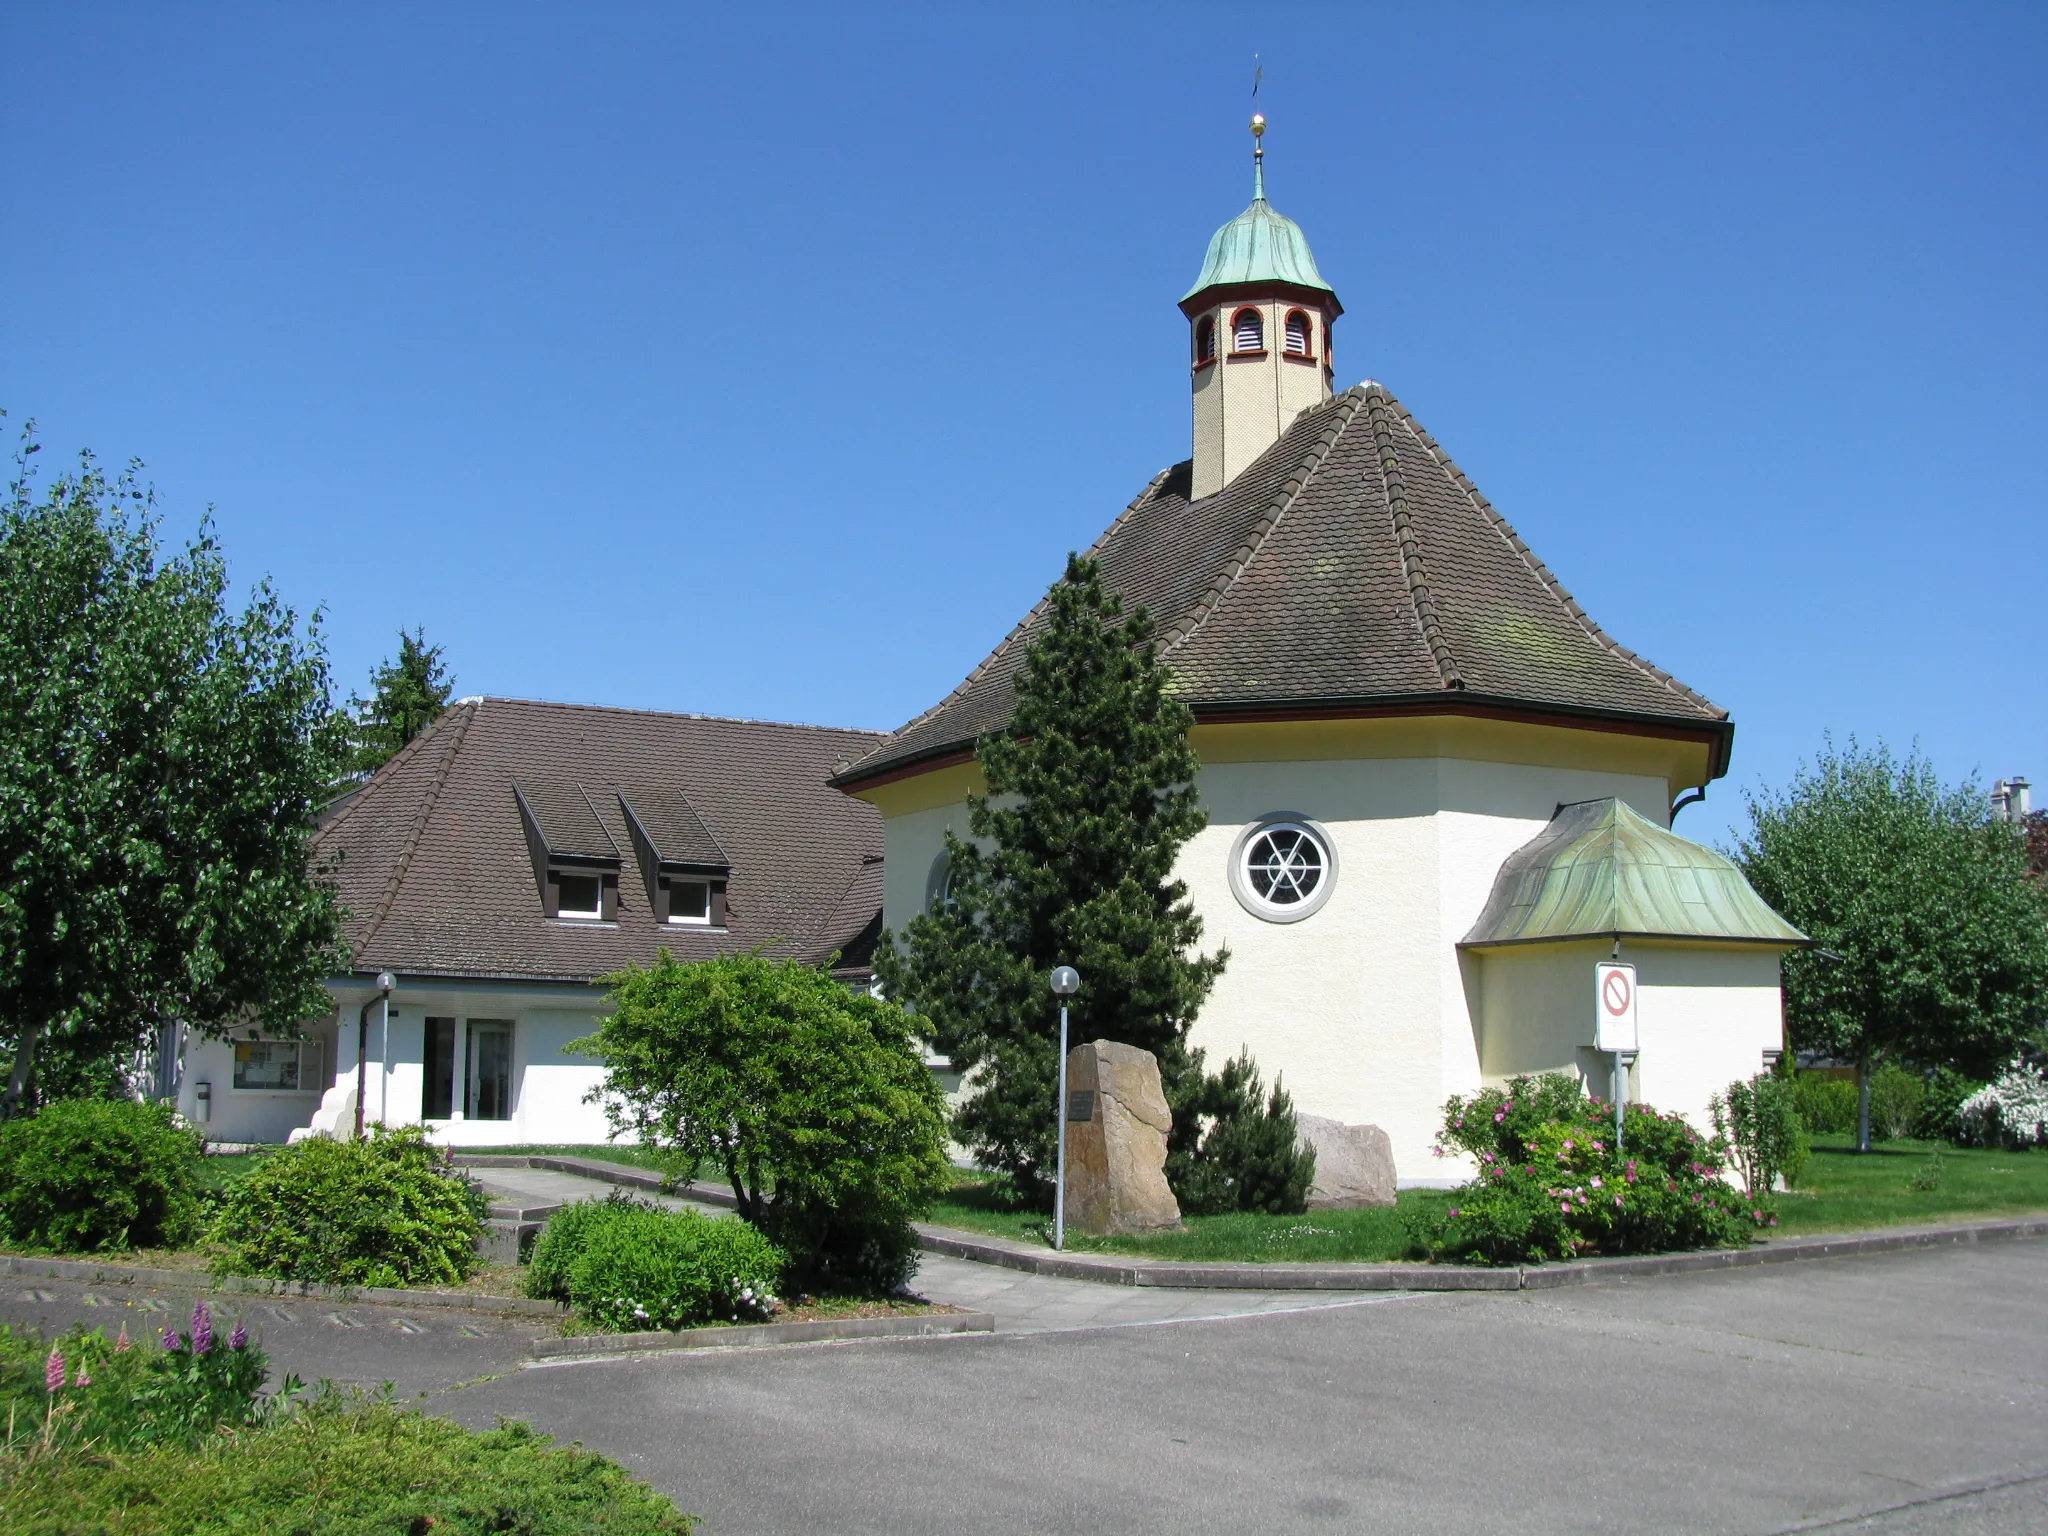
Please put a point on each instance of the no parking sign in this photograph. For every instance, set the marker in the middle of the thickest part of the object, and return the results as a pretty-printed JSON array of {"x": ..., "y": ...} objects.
[{"x": 1614, "y": 1008}]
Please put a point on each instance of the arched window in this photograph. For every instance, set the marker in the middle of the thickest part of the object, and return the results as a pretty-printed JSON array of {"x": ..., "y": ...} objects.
[
  {"x": 1248, "y": 332},
  {"x": 1205, "y": 339},
  {"x": 1300, "y": 331}
]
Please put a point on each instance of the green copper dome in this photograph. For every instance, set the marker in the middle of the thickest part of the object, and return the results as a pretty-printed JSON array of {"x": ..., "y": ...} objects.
[
  {"x": 1599, "y": 870},
  {"x": 1259, "y": 246}
]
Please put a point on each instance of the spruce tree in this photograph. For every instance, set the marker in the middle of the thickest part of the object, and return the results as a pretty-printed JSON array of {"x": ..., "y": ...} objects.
[
  {"x": 406, "y": 696},
  {"x": 1090, "y": 798}
]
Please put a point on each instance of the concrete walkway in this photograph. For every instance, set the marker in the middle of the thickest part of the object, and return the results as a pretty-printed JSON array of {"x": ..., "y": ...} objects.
[{"x": 1021, "y": 1303}]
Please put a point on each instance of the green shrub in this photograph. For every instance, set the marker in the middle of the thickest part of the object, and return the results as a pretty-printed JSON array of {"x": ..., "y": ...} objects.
[
  {"x": 1250, "y": 1158},
  {"x": 626, "y": 1264},
  {"x": 813, "y": 1100},
  {"x": 385, "y": 1210},
  {"x": 1827, "y": 1105},
  {"x": 1552, "y": 1185},
  {"x": 1896, "y": 1097},
  {"x": 1940, "y": 1109},
  {"x": 86, "y": 1175},
  {"x": 122, "y": 1394},
  {"x": 1763, "y": 1132},
  {"x": 351, "y": 1466}
]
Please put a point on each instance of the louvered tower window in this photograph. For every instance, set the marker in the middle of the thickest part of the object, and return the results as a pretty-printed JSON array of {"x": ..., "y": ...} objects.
[
  {"x": 1298, "y": 333},
  {"x": 1205, "y": 339},
  {"x": 1249, "y": 332}
]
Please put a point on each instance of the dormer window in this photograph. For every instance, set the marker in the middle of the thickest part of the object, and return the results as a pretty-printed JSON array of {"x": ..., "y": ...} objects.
[
  {"x": 683, "y": 864},
  {"x": 1205, "y": 340},
  {"x": 1248, "y": 332},
  {"x": 578, "y": 895},
  {"x": 1300, "y": 334},
  {"x": 575, "y": 862}
]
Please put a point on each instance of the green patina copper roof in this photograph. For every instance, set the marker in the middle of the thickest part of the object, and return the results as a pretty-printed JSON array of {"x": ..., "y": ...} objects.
[
  {"x": 1259, "y": 246},
  {"x": 1599, "y": 870}
]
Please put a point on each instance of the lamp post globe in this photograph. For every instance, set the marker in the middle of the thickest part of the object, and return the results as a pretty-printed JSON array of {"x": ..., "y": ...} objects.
[{"x": 1066, "y": 981}]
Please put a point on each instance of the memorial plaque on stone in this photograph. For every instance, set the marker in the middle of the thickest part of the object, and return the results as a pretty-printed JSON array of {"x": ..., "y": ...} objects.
[
  {"x": 1081, "y": 1105},
  {"x": 1117, "y": 1125}
]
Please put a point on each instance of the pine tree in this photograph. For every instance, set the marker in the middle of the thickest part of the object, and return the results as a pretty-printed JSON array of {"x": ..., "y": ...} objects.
[
  {"x": 406, "y": 696},
  {"x": 1090, "y": 798}
]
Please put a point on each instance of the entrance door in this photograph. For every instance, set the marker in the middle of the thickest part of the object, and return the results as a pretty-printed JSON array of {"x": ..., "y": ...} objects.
[
  {"x": 490, "y": 1069},
  {"x": 437, "y": 1098}
]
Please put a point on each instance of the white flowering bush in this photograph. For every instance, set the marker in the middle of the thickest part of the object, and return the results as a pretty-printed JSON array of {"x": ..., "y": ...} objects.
[
  {"x": 629, "y": 1265},
  {"x": 2012, "y": 1111}
]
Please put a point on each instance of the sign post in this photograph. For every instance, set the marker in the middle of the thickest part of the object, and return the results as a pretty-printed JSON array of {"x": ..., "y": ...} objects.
[
  {"x": 1066, "y": 981},
  {"x": 1614, "y": 1026}
]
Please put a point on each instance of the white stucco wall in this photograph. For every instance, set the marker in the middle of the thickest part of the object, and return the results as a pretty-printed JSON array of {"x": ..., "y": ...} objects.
[
  {"x": 1366, "y": 1009},
  {"x": 548, "y": 1081}
]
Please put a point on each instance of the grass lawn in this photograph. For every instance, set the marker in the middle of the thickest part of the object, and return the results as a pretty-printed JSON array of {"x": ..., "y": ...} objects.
[
  {"x": 1843, "y": 1190},
  {"x": 978, "y": 1204},
  {"x": 1898, "y": 1183}
]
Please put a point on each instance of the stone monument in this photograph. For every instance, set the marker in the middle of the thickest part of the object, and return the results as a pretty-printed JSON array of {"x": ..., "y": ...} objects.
[
  {"x": 1117, "y": 1124},
  {"x": 1354, "y": 1164}
]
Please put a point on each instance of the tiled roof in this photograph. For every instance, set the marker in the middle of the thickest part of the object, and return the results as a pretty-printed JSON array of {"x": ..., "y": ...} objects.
[
  {"x": 1352, "y": 565},
  {"x": 435, "y": 870}
]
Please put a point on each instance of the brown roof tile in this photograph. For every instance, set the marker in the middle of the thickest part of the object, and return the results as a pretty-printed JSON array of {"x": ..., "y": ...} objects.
[
  {"x": 433, "y": 863},
  {"x": 1353, "y": 564}
]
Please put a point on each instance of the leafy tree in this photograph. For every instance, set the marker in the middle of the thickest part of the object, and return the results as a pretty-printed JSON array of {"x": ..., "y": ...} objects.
[
  {"x": 160, "y": 759},
  {"x": 1090, "y": 798},
  {"x": 1932, "y": 942},
  {"x": 813, "y": 1100},
  {"x": 406, "y": 696}
]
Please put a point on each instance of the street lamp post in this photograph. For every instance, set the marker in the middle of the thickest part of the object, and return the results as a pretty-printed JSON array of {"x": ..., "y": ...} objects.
[{"x": 1066, "y": 981}]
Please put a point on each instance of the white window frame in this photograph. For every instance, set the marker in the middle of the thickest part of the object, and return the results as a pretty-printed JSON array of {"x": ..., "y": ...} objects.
[
  {"x": 310, "y": 1051},
  {"x": 1252, "y": 838},
  {"x": 579, "y": 914},
  {"x": 677, "y": 920}
]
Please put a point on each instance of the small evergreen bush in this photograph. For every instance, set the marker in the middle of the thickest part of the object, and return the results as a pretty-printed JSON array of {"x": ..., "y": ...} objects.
[
  {"x": 1249, "y": 1157},
  {"x": 629, "y": 1265},
  {"x": 1941, "y": 1108},
  {"x": 344, "y": 1464},
  {"x": 384, "y": 1210},
  {"x": 1826, "y": 1105},
  {"x": 123, "y": 1394},
  {"x": 89, "y": 1175},
  {"x": 1552, "y": 1185},
  {"x": 1896, "y": 1096}
]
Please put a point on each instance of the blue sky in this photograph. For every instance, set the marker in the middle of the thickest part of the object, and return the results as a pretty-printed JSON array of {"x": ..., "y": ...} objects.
[{"x": 766, "y": 361}]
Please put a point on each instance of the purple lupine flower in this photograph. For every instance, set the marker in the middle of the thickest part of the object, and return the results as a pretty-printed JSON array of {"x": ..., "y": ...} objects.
[
  {"x": 239, "y": 1339},
  {"x": 53, "y": 1372},
  {"x": 202, "y": 1328},
  {"x": 173, "y": 1340}
]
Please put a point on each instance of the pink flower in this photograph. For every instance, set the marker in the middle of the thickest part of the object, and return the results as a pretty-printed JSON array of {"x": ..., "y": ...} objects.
[
  {"x": 82, "y": 1380},
  {"x": 1596, "y": 1181},
  {"x": 53, "y": 1372},
  {"x": 1567, "y": 1146},
  {"x": 1617, "y": 1202},
  {"x": 1565, "y": 1206},
  {"x": 1499, "y": 1115},
  {"x": 122, "y": 1343}
]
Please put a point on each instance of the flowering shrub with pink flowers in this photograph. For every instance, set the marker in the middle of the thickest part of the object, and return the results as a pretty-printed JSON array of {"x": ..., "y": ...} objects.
[{"x": 1553, "y": 1185}]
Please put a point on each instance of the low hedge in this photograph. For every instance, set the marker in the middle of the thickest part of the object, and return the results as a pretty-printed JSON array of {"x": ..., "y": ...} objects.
[
  {"x": 626, "y": 1264},
  {"x": 339, "y": 1463},
  {"x": 1552, "y": 1184},
  {"x": 384, "y": 1210},
  {"x": 92, "y": 1175}
]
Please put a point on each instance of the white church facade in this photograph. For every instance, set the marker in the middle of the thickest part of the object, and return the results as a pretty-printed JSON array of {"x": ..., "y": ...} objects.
[{"x": 1437, "y": 791}]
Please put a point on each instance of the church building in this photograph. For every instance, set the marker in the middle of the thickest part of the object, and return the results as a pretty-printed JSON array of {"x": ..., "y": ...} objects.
[{"x": 1438, "y": 792}]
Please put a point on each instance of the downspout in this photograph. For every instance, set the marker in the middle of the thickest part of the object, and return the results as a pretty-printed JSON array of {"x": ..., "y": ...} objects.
[{"x": 385, "y": 982}]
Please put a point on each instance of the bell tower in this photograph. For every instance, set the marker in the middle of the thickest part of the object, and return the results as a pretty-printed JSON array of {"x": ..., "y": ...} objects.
[{"x": 1259, "y": 323}]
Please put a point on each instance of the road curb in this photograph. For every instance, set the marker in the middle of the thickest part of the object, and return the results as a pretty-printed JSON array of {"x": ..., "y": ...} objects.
[
  {"x": 253, "y": 1285},
  {"x": 1118, "y": 1270},
  {"x": 763, "y": 1335}
]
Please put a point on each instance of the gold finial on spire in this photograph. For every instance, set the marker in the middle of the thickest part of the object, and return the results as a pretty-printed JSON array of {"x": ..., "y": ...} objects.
[{"x": 1258, "y": 157}]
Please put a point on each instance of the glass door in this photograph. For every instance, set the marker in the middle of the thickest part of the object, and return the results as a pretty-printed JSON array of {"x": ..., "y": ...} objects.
[
  {"x": 437, "y": 1098},
  {"x": 490, "y": 1069}
]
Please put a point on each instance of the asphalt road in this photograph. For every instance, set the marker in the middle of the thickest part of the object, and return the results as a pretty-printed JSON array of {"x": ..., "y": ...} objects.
[
  {"x": 1753, "y": 1401},
  {"x": 1900, "y": 1396}
]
